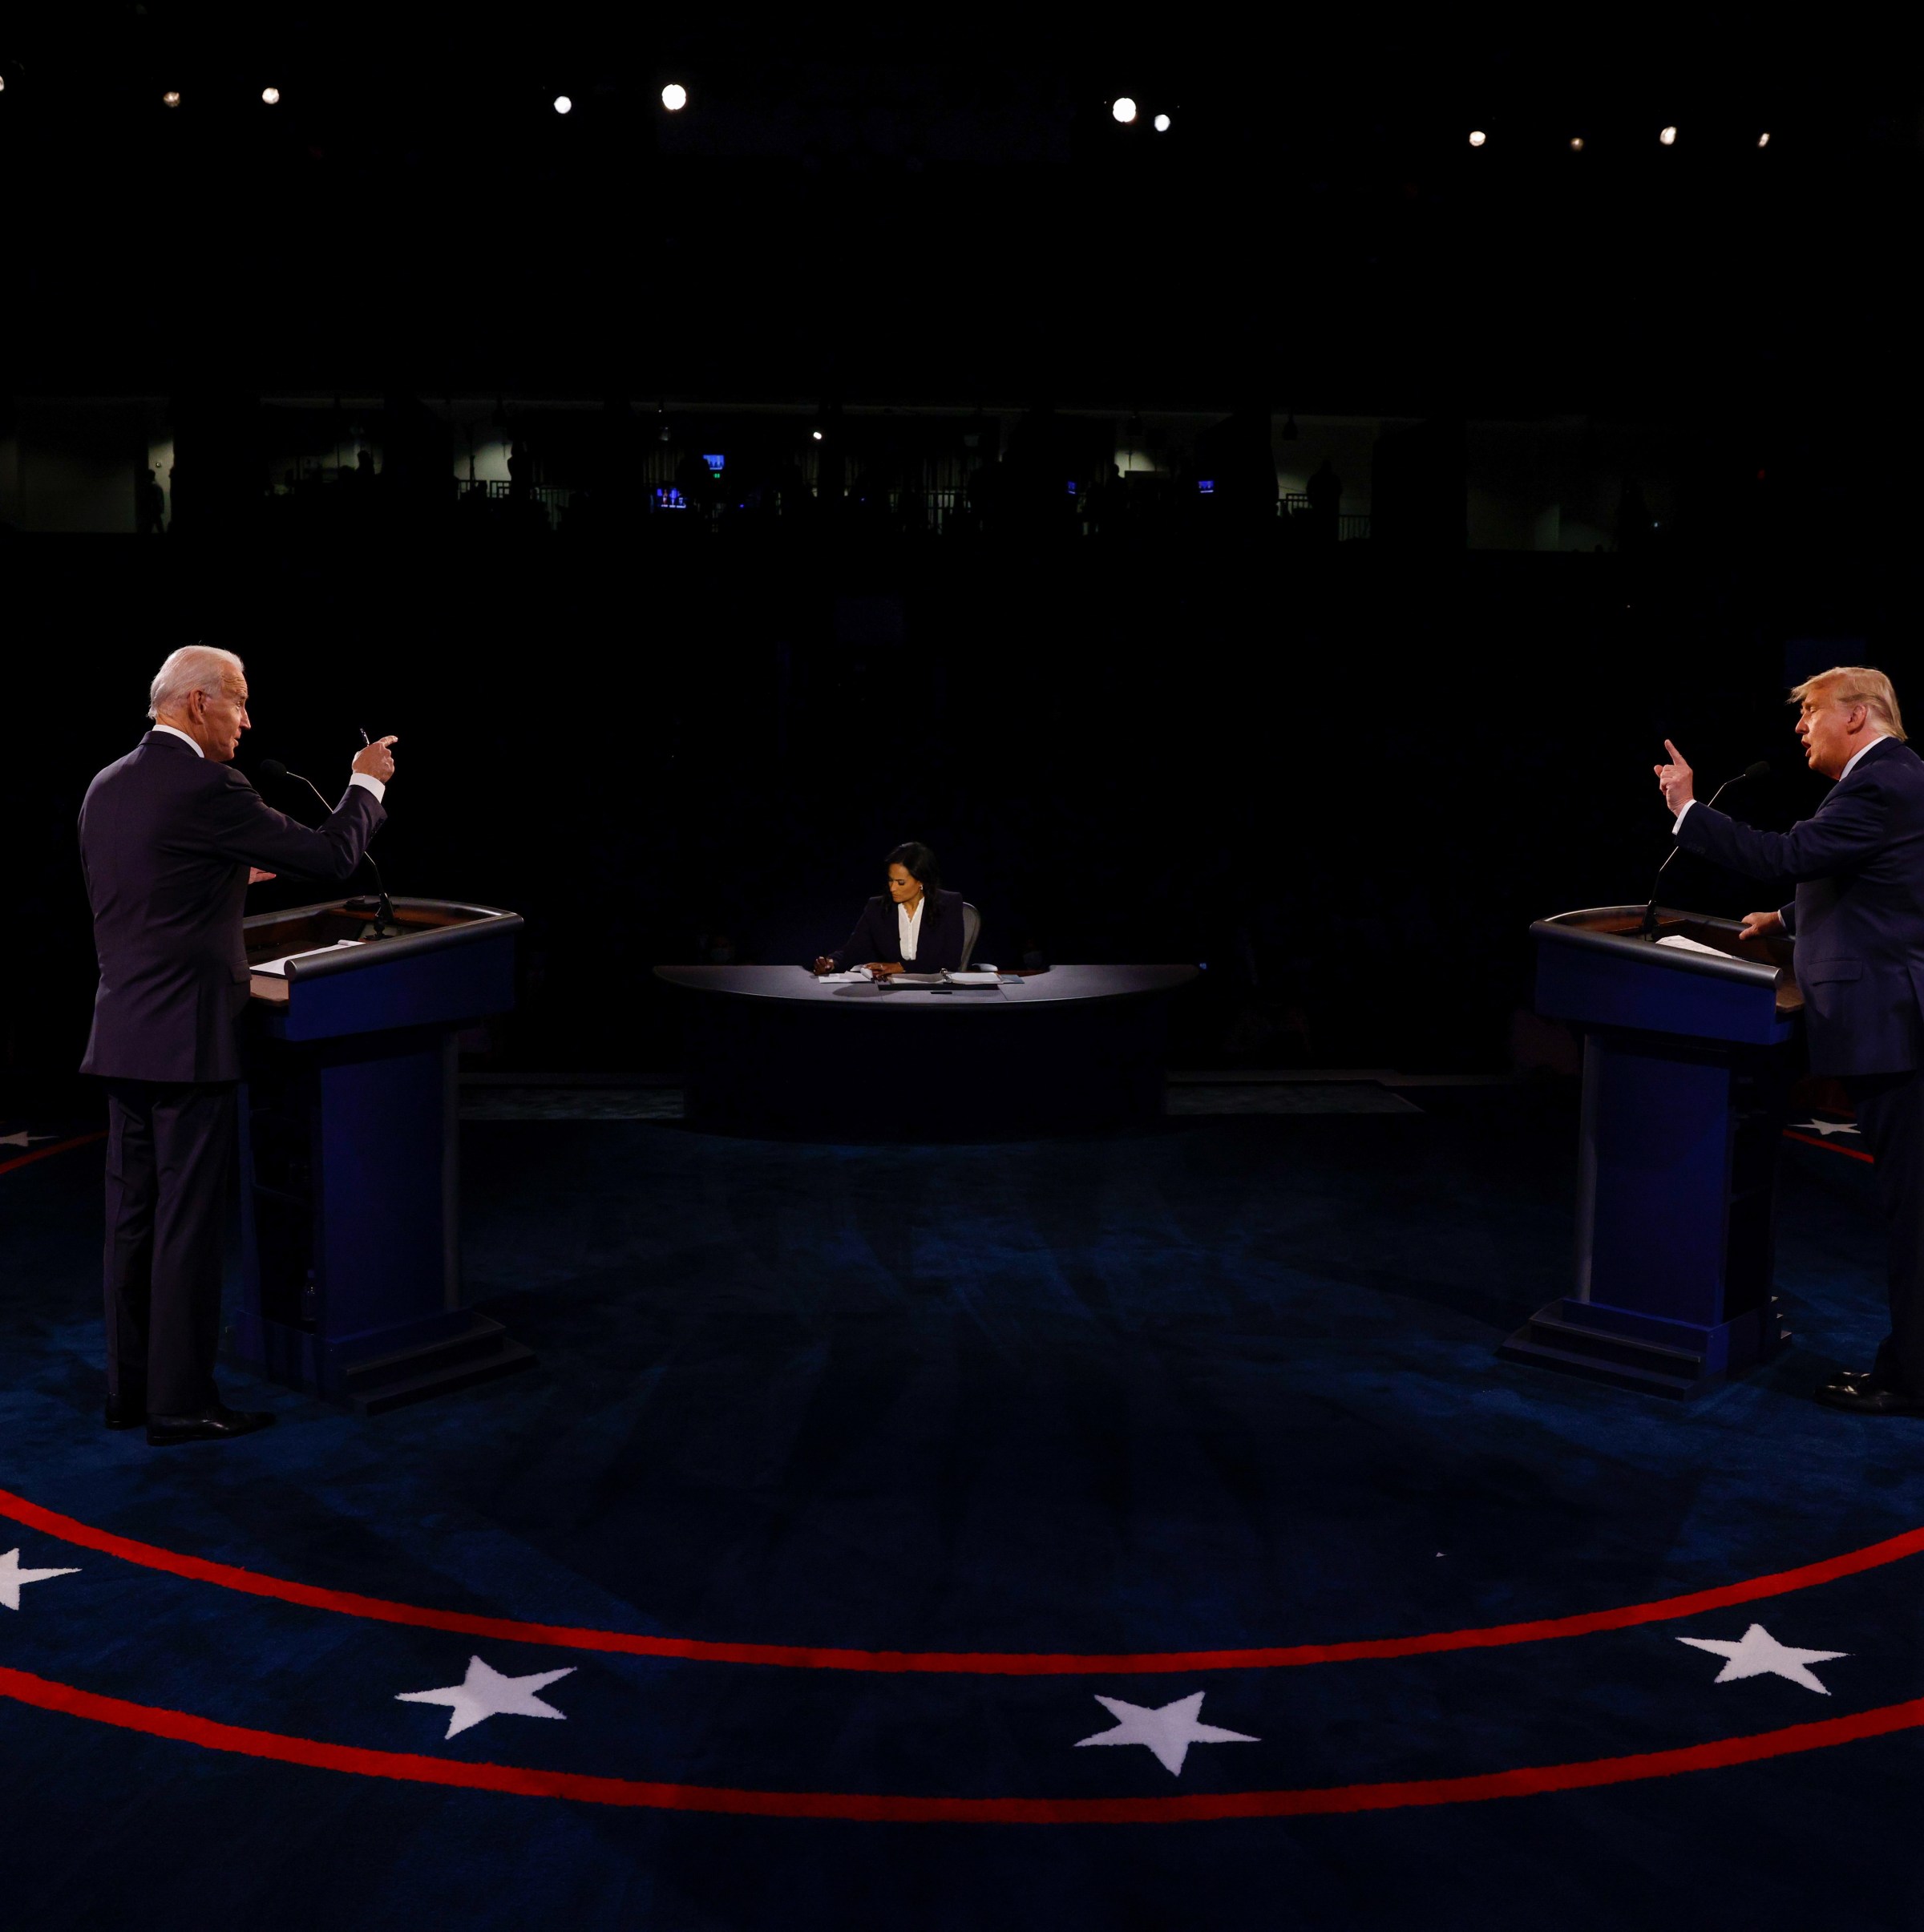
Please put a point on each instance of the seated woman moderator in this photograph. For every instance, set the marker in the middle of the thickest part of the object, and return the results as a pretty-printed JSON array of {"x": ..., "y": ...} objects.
[{"x": 915, "y": 927}]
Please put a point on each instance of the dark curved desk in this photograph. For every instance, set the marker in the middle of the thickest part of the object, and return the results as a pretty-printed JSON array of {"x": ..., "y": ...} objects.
[{"x": 772, "y": 1050}]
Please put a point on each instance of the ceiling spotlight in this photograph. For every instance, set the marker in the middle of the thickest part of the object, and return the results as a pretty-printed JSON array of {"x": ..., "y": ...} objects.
[
  {"x": 1124, "y": 109},
  {"x": 674, "y": 97},
  {"x": 1668, "y": 137},
  {"x": 170, "y": 99},
  {"x": 271, "y": 96},
  {"x": 563, "y": 105},
  {"x": 1764, "y": 140},
  {"x": 1161, "y": 124},
  {"x": 815, "y": 435},
  {"x": 1478, "y": 137},
  {"x": 1576, "y": 144}
]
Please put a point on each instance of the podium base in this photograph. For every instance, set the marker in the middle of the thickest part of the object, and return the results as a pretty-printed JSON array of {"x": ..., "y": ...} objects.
[
  {"x": 1678, "y": 1359},
  {"x": 409, "y": 1364}
]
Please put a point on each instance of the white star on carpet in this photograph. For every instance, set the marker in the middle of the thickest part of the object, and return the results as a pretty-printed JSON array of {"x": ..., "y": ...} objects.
[
  {"x": 22, "y": 1139},
  {"x": 1825, "y": 1127},
  {"x": 12, "y": 1576},
  {"x": 1758, "y": 1654},
  {"x": 1168, "y": 1730},
  {"x": 484, "y": 1693}
]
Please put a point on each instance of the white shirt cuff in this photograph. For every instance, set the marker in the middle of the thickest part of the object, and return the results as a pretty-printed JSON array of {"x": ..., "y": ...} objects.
[
  {"x": 1683, "y": 815},
  {"x": 380, "y": 791}
]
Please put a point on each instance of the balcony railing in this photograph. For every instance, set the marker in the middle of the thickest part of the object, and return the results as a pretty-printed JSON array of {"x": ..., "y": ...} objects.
[{"x": 991, "y": 502}]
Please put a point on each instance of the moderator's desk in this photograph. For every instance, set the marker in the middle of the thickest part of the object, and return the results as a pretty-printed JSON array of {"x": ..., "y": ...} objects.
[{"x": 772, "y": 1050}]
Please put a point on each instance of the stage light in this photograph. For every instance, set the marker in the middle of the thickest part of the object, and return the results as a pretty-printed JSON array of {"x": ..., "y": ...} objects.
[
  {"x": 815, "y": 435},
  {"x": 1576, "y": 144},
  {"x": 1124, "y": 109},
  {"x": 563, "y": 105},
  {"x": 271, "y": 96},
  {"x": 170, "y": 99},
  {"x": 1764, "y": 140},
  {"x": 1478, "y": 137},
  {"x": 1668, "y": 137},
  {"x": 674, "y": 97},
  {"x": 1162, "y": 123}
]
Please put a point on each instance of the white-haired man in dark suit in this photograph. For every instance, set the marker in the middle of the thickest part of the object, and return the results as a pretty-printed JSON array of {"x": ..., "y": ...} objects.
[{"x": 170, "y": 837}]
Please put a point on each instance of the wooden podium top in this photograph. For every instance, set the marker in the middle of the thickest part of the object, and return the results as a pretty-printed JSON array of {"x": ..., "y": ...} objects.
[
  {"x": 1602, "y": 966},
  {"x": 336, "y": 938}
]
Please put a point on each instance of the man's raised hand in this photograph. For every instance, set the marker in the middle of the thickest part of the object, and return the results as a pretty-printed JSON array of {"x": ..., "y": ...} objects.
[
  {"x": 1676, "y": 780},
  {"x": 375, "y": 760}
]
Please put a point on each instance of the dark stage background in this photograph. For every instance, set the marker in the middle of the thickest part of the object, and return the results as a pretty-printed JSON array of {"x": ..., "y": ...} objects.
[
  {"x": 1347, "y": 784},
  {"x": 1346, "y": 780}
]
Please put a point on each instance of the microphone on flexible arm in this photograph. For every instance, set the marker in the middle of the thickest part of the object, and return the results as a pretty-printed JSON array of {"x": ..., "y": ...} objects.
[
  {"x": 386, "y": 925},
  {"x": 1759, "y": 770}
]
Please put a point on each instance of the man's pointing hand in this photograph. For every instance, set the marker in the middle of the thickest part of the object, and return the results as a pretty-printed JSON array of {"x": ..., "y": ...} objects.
[
  {"x": 376, "y": 760},
  {"x": 1676, "y": 780}
]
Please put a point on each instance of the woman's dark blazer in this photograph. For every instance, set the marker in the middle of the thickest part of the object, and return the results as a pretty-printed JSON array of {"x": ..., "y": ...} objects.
[{"x": 877, "y": 938}]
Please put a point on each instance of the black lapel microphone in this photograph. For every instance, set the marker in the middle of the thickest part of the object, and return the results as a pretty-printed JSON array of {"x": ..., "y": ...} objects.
[
  {"x": 386, "y": 926},
  {"x": 1760, "y": 770}
]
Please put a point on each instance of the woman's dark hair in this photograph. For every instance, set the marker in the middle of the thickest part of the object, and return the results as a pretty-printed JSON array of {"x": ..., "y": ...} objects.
[{"x": 919, "y": 862}]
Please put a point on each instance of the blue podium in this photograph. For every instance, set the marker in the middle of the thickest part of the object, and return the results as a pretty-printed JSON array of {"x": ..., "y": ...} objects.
[
  {"x": 1688, "y": 1055},
  {"x": 350, "y": 1171}
]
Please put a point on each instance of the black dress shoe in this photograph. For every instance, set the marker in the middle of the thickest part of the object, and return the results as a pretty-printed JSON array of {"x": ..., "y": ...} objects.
[
  {"x": 1863, "y": 1399},
  {"x": 211, "y": 1425},
  {"x": 123, "y": 1414}
]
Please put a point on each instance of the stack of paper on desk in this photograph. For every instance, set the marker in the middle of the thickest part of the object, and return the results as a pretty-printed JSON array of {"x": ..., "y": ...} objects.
[{"x": 933, "y": 982}]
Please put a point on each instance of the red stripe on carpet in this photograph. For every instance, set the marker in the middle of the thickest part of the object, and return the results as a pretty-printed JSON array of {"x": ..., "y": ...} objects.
[
  {"x": 46, "y": 1154},
  {"x": 987, "y": 1663},
  {"x": 1532, "y": 1780},
  {"x": 1810, "y": 1140}
]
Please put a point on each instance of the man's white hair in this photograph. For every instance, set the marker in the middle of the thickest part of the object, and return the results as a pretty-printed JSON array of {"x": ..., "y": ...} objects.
[{"x": 194, "y": 667}]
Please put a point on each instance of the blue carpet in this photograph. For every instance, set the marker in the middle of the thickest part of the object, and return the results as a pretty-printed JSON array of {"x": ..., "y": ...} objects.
[{"x": 1231, "y": 1385}]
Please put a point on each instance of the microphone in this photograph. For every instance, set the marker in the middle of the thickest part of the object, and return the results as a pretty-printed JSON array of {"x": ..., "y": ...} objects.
[
  {"x": 385, "y": 926},
  {"x": 1759, "y": 770}
]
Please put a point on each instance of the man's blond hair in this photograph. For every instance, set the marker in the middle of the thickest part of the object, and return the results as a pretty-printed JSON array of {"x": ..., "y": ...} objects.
[{"x": 1856, "y": 683}]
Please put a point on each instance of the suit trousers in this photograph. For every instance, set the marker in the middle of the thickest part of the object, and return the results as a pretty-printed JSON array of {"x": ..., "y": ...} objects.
[
  {"x": 1890, "y": 1116},
  {"x": 170, "y": 1149}
]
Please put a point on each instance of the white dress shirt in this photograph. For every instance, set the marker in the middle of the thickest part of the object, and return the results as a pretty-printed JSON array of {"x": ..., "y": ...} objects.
[
  {"x": 357, "y": 777},
  {"x": 909, "y": 926},
  {"x": 1849, "y": 763}
]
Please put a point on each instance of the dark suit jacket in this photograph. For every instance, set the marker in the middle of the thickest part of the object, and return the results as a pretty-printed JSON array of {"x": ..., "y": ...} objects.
[
  {"x": 166, "y": 840},
  {"x": 1858, "y": 916},
  {"x": 877, "y": 939}
]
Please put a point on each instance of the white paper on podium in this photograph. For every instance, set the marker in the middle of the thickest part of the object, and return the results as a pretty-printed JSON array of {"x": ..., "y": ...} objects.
[
  {"x": 1677, "y": 941},
  {"x": 857, "y": 975},
  {"x": 278, "y": 967}
]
